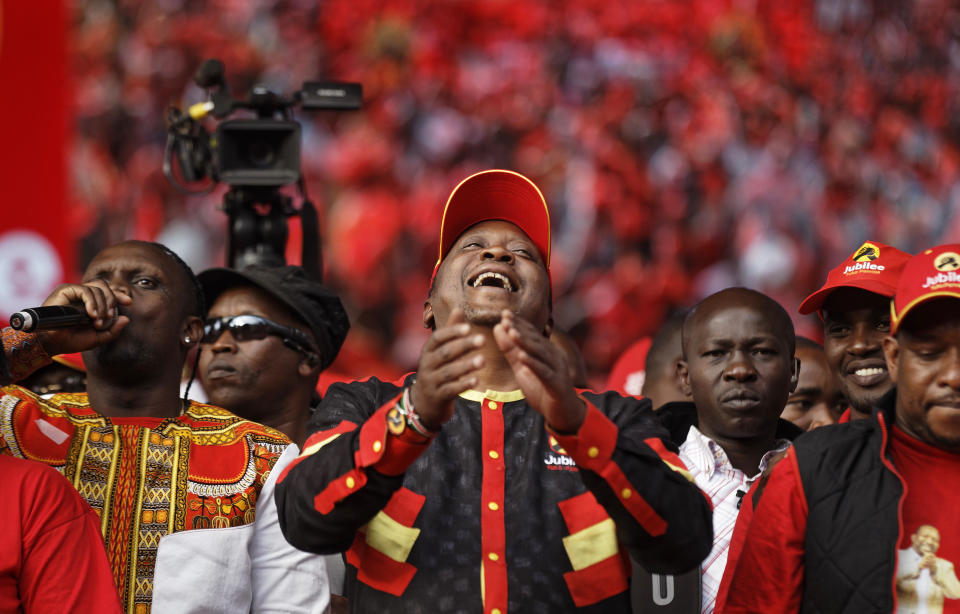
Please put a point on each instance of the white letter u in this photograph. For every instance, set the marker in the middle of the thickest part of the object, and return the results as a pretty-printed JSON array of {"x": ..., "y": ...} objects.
[{"x": 662, "y": 589}]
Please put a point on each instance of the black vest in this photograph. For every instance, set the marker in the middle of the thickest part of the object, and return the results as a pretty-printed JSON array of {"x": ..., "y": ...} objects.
[{"x": 853, "y": 499}]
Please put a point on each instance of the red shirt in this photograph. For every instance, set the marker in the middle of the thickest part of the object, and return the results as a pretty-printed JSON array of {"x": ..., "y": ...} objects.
[
  {"x": 769, "y": 574},
  {"x": 930, "y": 519},
  {"x": 145, "y": 477},
  {"x": 52, "y": 557}
]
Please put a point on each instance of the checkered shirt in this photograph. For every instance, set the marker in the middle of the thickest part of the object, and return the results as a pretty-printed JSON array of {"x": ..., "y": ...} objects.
[{"x": 713, "y": 473}]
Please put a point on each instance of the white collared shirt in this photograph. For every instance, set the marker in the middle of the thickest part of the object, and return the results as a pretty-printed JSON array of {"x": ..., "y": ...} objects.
[
  {"x": 248, "y": 568},
  {"x": 715, "y": 476}
]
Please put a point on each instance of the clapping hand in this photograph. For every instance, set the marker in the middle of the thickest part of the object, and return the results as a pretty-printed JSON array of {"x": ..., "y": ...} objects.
[
  {"x": 542, "y": 372},
  {"x": 448, "y": 365}
]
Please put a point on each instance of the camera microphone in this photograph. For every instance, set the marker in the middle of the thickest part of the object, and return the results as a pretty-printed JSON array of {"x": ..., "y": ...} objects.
[
  {"x": 53, "y": 316},
  {"x": 210, "y": 74}
]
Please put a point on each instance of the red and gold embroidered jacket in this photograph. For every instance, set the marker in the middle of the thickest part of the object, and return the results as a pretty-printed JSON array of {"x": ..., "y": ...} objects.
[
  {"x": 145, "y": 477},
  {"x": 495, "y": 514}
]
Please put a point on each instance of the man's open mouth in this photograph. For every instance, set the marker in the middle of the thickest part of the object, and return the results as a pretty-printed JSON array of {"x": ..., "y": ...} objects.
[{"x": 490, "y": 279}]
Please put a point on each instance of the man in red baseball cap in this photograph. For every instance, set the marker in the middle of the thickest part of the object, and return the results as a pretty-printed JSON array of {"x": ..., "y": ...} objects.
[
  {"x": 854, "y": 307},
  {"x": 65, "y": 374},
  {"x": 485, "y": 482},
  {"x": 861, "y": 517}
]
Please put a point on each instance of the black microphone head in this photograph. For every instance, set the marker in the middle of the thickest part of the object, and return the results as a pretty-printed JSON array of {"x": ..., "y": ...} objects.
[
  {"x": 210, "y": 74},
  {"x": 47, "y": 317},
  {"x": 18, "y": 320}
]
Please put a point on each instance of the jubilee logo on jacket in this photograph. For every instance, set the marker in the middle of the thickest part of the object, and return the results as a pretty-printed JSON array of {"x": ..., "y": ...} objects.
[{"x": 557, "y": 459}]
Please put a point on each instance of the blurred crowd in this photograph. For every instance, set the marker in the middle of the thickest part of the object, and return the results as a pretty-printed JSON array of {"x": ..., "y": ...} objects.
[{"x": 683, "y": 146}]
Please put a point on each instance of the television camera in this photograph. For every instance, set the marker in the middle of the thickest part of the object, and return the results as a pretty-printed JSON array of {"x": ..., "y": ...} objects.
[{"x": 255, "y": 156}]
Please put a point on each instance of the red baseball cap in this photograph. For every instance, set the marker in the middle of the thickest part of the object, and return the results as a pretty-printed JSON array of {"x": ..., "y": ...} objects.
[
  {"x": 630, "y": 369},
  {"x": 933, "y": 273},
  {"x": 496, "y": 194},
  {"x": 874, "y": 267},
  {"x": 74, "y": 361}
]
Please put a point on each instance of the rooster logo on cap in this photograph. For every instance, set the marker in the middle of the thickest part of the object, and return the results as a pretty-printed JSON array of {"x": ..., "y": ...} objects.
[
  {"x": 947, "y": 261},
  {"x": 867, "y": 253}
]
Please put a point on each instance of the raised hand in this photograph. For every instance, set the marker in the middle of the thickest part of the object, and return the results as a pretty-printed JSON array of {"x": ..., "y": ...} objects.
[
  {"x": 100, "y": 303},
  {"x": 448, "y": 366},
  {"x": 541, "y": 371}
]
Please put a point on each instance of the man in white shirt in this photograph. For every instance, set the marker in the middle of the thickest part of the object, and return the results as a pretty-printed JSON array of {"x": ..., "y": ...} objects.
[
  {"x": 923, "y": 578},
  {"x": 739, "y": 367}
]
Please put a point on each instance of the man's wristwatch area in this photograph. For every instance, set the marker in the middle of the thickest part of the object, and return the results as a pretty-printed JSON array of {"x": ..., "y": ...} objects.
[{"x": 403, "y": 416}]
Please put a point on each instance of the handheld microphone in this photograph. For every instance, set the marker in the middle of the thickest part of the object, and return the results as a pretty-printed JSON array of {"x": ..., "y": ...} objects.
[{"x": 53, "y": 316}]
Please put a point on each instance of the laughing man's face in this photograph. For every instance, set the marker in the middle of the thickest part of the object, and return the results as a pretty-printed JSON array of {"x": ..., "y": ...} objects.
[{"x": 492, "y": 266}]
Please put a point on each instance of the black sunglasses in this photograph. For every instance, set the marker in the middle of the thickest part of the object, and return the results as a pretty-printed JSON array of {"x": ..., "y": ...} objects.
[{"x": 249, "y": 327}]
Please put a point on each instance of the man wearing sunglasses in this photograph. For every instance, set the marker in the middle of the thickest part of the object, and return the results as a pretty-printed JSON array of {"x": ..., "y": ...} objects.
[{"x": 269, "y": 333}]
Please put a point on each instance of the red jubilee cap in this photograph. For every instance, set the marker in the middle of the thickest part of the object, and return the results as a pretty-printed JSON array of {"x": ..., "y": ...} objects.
[
  {"x": 933, "y": 273},
  {"x": 496, "y": 195},
  {"x": 874, "y": 267}
]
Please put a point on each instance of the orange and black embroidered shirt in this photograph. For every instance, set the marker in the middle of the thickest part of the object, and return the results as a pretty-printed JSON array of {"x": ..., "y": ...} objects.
[{"x": 144, "y": 477}]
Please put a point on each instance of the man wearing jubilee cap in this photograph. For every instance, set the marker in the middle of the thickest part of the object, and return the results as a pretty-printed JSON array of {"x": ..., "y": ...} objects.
[
  {"x": 848, "y": 501},
  {"x": 65, "y": 374},
  {"x": 486, "y": 482},
  {"x": 854, "y": 307}
]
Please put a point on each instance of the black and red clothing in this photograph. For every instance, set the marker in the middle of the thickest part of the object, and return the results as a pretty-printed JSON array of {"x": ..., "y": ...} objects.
[
  {"x": 832, "y": 516},
  {"x": 495, "y": 514}
]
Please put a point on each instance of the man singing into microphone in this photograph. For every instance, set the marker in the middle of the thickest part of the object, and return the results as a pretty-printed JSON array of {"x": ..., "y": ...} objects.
[{"x": 153, "y": 466}]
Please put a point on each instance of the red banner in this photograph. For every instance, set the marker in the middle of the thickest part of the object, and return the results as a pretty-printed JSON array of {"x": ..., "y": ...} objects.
[{"x": 36, "y": 251}]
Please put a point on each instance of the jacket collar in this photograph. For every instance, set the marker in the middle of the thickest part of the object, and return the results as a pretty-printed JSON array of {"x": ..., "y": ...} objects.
[{"x": 887, "y": 407}]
